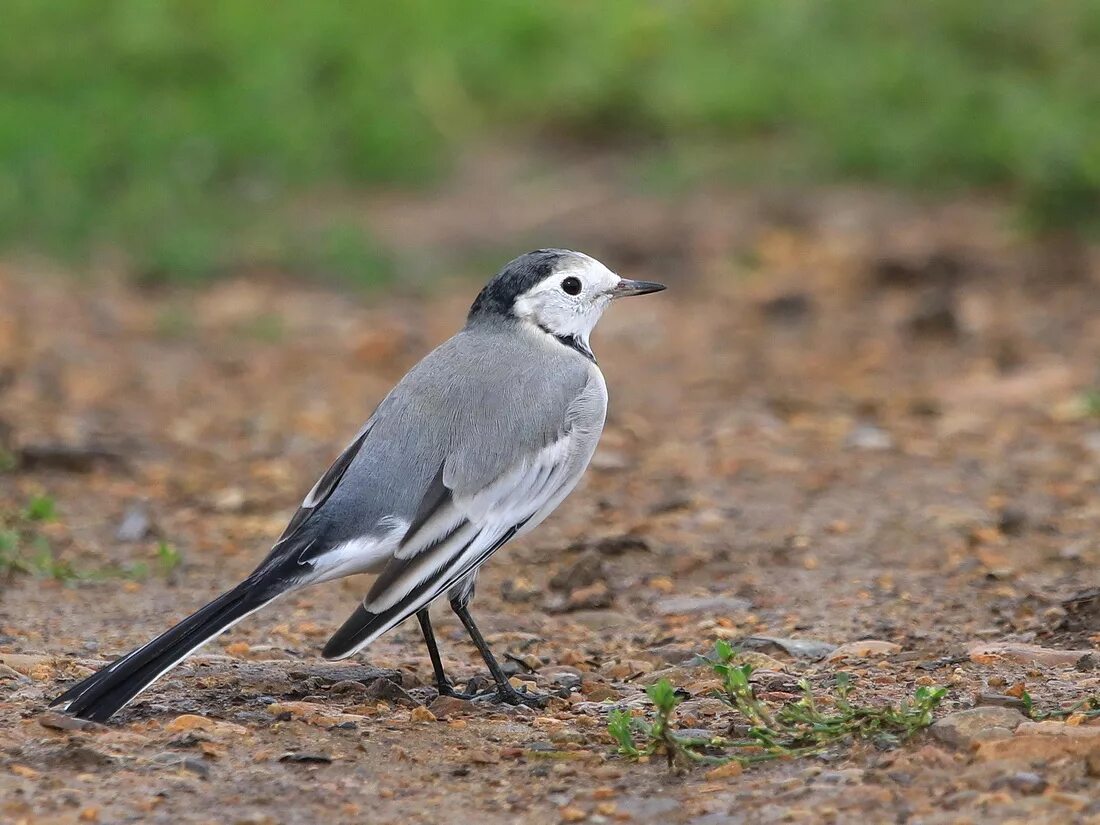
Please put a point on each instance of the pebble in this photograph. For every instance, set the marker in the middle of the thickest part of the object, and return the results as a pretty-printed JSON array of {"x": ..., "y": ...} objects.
[
  {"x": 135, "y": 524},
  {"x": 965, "y": 728},
  {"x": 810, "y": 649},
  {"x": 190, "y": 721},
  {"x": 1032, "y": 748},
  {"x": 990, "y": 653},
  {"x": 711, "y": 605},
  {"x": 593, "y": 597},
  {"x": 1027, "y": 782},
  {"x": 705, "y": 706},
  {"x": 62, "y": 721},
  {"x": 587, "y": 570},
  {"x": 726, "y": 771},
  {"x": 391, "y": 692},
  {"x": 168, "y": 759},
  {"x": 1053, "y": 728},
  {"x": 868, "y": 437},
  {"x": 446, "y": 706},
  {"x": 864, "y": 649},
  {"x": 649, "y": 808},
  {"x": 305, "y": 758}
]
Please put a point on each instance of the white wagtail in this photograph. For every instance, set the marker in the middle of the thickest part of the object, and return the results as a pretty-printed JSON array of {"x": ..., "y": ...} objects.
[{"x": 476, "y": 445}]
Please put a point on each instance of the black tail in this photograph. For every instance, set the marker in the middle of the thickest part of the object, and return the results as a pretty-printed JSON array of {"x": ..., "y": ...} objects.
[{"x": 103, "y": 694}]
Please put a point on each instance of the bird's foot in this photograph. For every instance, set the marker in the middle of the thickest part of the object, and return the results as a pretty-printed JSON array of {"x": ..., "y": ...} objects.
[
  {"x": 480, "y": 689},
  {"x": 448, "y": 689},
  {"x": 511, "y": 696}
]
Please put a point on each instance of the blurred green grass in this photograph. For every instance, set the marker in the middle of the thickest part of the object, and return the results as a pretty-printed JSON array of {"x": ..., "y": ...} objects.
[{"x": 180, "y": 130}]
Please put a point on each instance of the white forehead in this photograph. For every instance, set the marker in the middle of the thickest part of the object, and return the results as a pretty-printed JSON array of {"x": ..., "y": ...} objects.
[{"x": 588, "y": 269}]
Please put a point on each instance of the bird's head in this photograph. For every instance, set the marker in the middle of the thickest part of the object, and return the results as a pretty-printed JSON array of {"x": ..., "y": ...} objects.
[{"x": 561, "y": 292}]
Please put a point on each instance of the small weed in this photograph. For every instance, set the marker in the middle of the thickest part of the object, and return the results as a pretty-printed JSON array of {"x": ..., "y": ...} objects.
[
  {"x": 168, "y": 558},
  {"x": 799, "y": 728},
  {"x": 659, "y": 735},
  {"x": 41, "y": 508},
  {"x": 1090, "y": 403},
  {"x": 25, "y": 550},
  {"x": 1088, "y": 708},
  {"x": 268, "y": 328},
  {"x": 175, "y": 322}
]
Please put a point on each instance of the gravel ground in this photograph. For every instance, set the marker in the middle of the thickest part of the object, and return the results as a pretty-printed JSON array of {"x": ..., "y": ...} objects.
[{"x": 867, "y": 425}]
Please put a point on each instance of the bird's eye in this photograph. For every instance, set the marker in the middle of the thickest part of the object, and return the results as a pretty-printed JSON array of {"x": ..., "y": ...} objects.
[{"x": 571, "y": 285}]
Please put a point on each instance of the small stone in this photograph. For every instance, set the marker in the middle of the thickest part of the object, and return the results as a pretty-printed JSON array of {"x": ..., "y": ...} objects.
[
  {"x": 1011, "y": 521},
  {"x": 1032, "y": 749},
  {"x": 135, "y": 524},
  {"x": 726, "y": 771},
  {"x": 196, "y": 766},
  {"x": 1060, "y": 729},
  {"x": 1092, "y": 764},
  {"x": 587, "y": 570},
  {"x": 965, "y": 728},
  {"x": 788, "y": 308},
  {"x": 1002, "y": 700},
  {"x": 518, "y": 590},
  {"x": 62, "y": 721},
  {"x": 422, "y": 714},
  {"x": 187, "y": 721},
  {"x": 810, "y": 649},
  {"x": 348, "y": 687},
  {"x": 593, "y": 597},
  {"x": 1025, "y": 782},
  {"x": 482, "y": 756},
  {"x": 567, "y": 677},
  {"x": 601, "y": 693},
  {"x": 768, "y": 677},
  {"x": 391, "y": 692},
  {"x": 864, "y": 649},
  {"x": 711, "y": 605},
  {"x": 37, "y": 667},
  {"x": 230, "y": 500},
  {"x": 238, "y": 649},
  {"x": 868, "y": 437},
  {"x": 306, "y": 758},
  {"x": 571, "y": 813},
  {"x": 705, "y": 706},
  {"x": 446, "y": 706},
  {"x": 8, "y": 674},
  {"x": 989, "y": 653}
]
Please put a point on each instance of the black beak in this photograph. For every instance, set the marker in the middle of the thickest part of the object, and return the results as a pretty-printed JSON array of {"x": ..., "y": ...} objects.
[{"x": 627, "y": 287}]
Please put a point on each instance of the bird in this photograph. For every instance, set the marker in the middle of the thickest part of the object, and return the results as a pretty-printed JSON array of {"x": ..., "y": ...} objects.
[{"x": 475, "y": 446}]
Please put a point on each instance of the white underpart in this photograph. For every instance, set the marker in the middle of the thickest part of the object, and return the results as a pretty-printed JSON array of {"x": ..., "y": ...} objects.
[
  {"x": 548, "y": 306},
  {"x": 366, "y": 554}
]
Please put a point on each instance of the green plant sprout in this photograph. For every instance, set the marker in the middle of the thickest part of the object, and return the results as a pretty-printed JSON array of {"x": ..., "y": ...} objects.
[{"x": 799, "y": 728}]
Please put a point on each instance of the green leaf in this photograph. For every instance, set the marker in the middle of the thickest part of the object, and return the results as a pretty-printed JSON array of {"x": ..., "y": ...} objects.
[
  {"x": 620, "y": 725},
  {"x": 41, "y": 508},
  {"x": 663, "y": 695}
]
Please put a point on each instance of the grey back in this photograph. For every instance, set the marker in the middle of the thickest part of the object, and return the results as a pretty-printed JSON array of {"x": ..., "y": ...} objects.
[{"x": 482, "y": 400}]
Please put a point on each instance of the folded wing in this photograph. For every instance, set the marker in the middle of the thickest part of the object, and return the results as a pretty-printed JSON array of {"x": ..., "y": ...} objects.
[{"x": 472, "y": 508}]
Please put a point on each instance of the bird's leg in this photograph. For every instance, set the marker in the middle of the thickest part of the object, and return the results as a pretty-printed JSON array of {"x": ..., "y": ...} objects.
[
  {"x": 441, "y": 682},
  {"x": 505, "y": 692}
]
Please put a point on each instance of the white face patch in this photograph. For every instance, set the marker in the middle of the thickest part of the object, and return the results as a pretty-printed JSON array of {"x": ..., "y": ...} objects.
[{"x": 551, "y": 304}]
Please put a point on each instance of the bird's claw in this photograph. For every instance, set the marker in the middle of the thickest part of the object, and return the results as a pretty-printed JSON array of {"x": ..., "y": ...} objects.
[
  {"x": 477, "y": 690},
  {"x": 511, "y": 696}
]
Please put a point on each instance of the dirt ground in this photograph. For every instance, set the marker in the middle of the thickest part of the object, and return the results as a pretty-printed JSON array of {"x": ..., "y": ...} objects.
[{"x": 850, "y": 418}]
